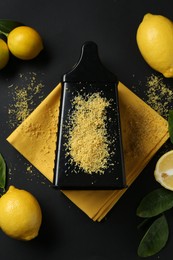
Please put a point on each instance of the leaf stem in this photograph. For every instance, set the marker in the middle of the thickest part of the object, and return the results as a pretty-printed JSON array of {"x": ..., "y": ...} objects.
[
  {"x": 143, "y": 223},
  {"x": 4, "y": 33}
]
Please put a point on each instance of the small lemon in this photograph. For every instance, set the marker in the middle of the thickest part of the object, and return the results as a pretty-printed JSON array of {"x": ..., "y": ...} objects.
[
  {"x": 20, "y": 214},
  {"x": 164, "y": 170},
  {"x": 4, "y": 54},
  {"x": 155, "y": 41},
  {"x": 24, "y": 42}
]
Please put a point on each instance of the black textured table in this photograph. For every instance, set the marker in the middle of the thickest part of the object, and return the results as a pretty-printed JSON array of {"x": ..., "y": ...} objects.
[{"x": 66, "y": 232}]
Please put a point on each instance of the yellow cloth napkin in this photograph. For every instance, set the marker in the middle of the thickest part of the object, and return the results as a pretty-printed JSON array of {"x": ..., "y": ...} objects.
[{"x": 144, "y": 131}]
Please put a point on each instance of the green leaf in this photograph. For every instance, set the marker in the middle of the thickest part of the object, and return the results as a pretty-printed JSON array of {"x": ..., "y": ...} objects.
[
  {"x": 155, "y": 238},
  {"x": 8, "y": 25},
  {"x": 155, "y": 202},
  {"x": 2, "y": 173},
  {"x": 170, "y": 125}
]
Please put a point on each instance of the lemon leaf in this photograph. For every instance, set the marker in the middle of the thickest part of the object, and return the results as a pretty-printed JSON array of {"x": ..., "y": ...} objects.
[
  {"x": 2, "y": 173},
  {"x": 155, "y": 203},
  {"x": 8, "y": 25},
  {"x": 155, "y": 238},
  {"x": 170, "y": 124}
]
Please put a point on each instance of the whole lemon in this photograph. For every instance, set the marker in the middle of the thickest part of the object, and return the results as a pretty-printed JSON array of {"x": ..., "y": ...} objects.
[
  {"x": 4, "y": 54},
  {"x": 155, "y": 41},
  {"x": 20, "y": 214},
  {"x": 24, "y": 42}
]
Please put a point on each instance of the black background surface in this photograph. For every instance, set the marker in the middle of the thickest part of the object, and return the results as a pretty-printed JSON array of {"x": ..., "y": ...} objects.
[{"x": 66, "y": 232}]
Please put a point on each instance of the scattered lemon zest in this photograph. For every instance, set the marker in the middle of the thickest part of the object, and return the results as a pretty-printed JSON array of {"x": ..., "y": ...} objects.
[
  {"x": 159, "y": 94},
  {"x": 23, "y": 94}
]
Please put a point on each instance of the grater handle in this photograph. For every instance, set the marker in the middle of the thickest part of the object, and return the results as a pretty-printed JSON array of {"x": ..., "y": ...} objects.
[{"x": 89, "y": 67}]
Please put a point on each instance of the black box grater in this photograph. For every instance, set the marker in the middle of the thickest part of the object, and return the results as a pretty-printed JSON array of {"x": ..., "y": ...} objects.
[{"x": 89, "y": 152}]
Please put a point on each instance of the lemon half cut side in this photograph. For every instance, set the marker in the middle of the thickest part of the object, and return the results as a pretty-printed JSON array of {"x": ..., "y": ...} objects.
[{"x": 164, "y": 170}]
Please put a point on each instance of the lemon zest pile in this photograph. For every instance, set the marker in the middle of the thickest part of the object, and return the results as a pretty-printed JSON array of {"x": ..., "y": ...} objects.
[{"x": 88, "y": 143}]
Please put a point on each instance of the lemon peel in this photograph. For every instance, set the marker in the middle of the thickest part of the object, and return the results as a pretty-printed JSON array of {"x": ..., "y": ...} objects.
[
  {"x": 24, "y": 42},
  {"x": 20, "y": 214},
  {"x": 4, "y": 54},
  {"x": 155, "y": 42},
  {"x": 164, "y": 170}
]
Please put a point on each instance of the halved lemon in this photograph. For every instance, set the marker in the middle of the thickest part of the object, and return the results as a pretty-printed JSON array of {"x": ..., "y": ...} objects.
[{"x": 164, "y": 170}]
